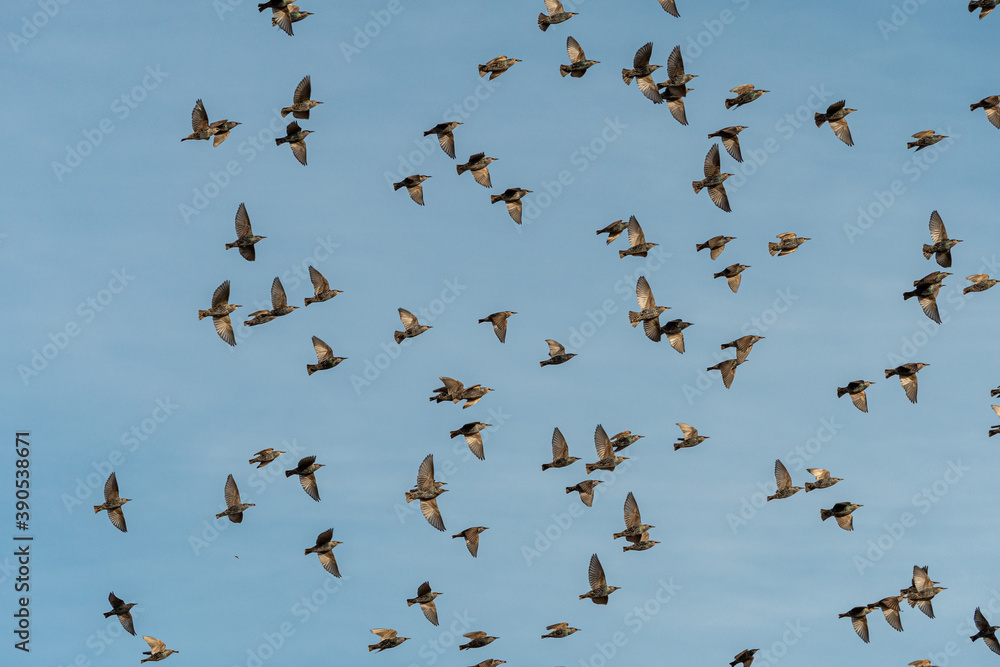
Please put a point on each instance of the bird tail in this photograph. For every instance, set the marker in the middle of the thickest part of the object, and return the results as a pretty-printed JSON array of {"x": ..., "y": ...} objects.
[
  {"x": 617, "y": 535},
  {"x": 820, "y": 119},
  {"x": 372, "y": 647},
  {"x": 928, "y": 251},
  {"x": 398, "y": 336},
  {"x": 563, "y": 70},
  {"x": 312, "y": 368},
  {"x": 841, "y": 391},
  {"x": 907, "y": 295},
  {"x": 454, "y": 433},
  {"x": 202, "y": 314},
  {"x": 825, "y": 514},
  {"x": 545, "y": 26},
  {"x": 972, "y": 107},
  {"x": 810, "y": 486},
  {"x": 494, "y": 199},
  {"x": 889, "y": 372},
  {"x": 697, "y": 186},
  {"x": 719, "y": 274},
  {"x": 626, "y": 77},
  {"x": 461, "y": 168},
  {"x": 220, "y": 515},
  {"x": 634, "y": 318},
  {"x": 569, "y": 489},
  {"x": 677, "y": 446},
  {"x": 773, "y": 249},
  {"x": 590, "y": 468},
  {"x": 546, "y": 466},
  {"x": 286, "y": 111},
  {"x": 396, "y": 186},
  {"x": 410, "y": 603},
  {"x": 730, "y": 103},
  {"x": 289, "y": 473},
  {"x": 482, "y": 73},
  {"x": 965, "y": 291},
  {"x": 409, "y": 496},
  {"x": 230, "y": 246},
  {"x": 280, "y": 140},
  {"x": 911, "y": 144},
  {"x": 108, "y": 614},
  {"x": 700, "y": 246},
  {"x": 97, "y": 508}
]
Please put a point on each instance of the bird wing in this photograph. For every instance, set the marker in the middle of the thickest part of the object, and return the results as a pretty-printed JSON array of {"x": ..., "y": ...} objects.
[
  {"x": 675, "y": 63},
  {"x": 554, "y": 7},
  {"x": 324, "y": 537},
  {"x": 430, "y": 611},
  {"x": 299, "y": 151},
  {"x": 423, "y": 589},
  {"x": 720, "y": 199},
  {"x": 846, "y": 522},
  {"x": 676, "y": 341},
  {"x": 688, "y": 431},
  {"x": 155, "y": 645},
  {"x": 632, "y": 517},
  {"x": 555, "y": 348},
  {"x": 475, "y": 443},
  {"x": 574, "y": 50},
  {"x": 992, "y": 643},
  {"x": 232, "y": 493},
  {"x": 278, "y": 298},
  {"x": 329, "y": 563},
  {"x": 842, "y": 131},
  {"x": 929, "y": 306},
  {"x": 909, "y": 386},
  {"x": 670, "y": 7},
  {"x": 739, "y": 90},
  {"x": 653, "y": 330},
  {"x": 416, "y": 193},
  {"x": 978, "y": 277},
  {"x": 557, "y": 626},
  {"x": 635, "y": 234},
  {"x": 921, "y": 579},
  {"x": 781, "y": 475},
  {"x": 818, "y": 473},
  {"x": 835, "y": 107},
  {"x": 320, "y": 284},
  {"x": 126, "y": 620},
  {"x": 452, "y": 385},
  {"x": 676, "y": 108},
  {"x": 248, "y": 252},
  {"x": 309, "y": 486},
  {"x": 602, "y": 443},
  {"x": 425, "y": 474},
  {"x": 117, "y": 517},
  {"x": 408, "y": 319},
  {"x": 243, "y": 222},
  {"x": 111, "y": 488},
  {"x": 500, "y": 326},
  {"x": 926, "y": 607},
  {"x": 514, "y": 208},
  {"x": 221, "y": 295},
  {"x": 732, "y": 146},
  {"x": 199, "y": 117},
  {"x": 642, "y": 56},
  {"x": 323, "y": 351},
  {"x": 303, "y": 91},
  {"x": 478, "y": 634},
  {"x": 482, "y": 177},
  {"x": 981, "y": 623},
  {"x": 560, "y": 448},
  {"x": 861, "y": 627},
  {"x": 283, "y": 19},
  {"x": 643, "y": 294},
  {"x": 447, "y": 141},
  {"x": 712, "y": 164},
  {"x": 384, "y": 633},
  {"x": 648, "y": 88},
  {"x": 472, "y": 544},
  {"x": 924, "y": 133},
  {"x": 595, "y": 573},
  {"x": 860, "y": 401},
  {"x": 429, "y": 508},
  {"x": 224, "y": 327},
  {"x": 936, "y": 226}
]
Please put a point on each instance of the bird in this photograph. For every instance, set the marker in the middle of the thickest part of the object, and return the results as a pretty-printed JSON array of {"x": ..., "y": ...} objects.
[
  {"x": 642, "y": 73},
  {"x": 649, "y": 313},
  {"x": 640, "y": 543},
  {"x": 578, "y": 63},
  {"x": 942, "y": 245},
  {"x": 730, "y": 141},
  {"x": 991, "y": 105},
  {"x": 638, "y": 247},
  {"x": 321, "y": 287},
  {"x": 675, "y": 70},
  {"x": 743, "y": 345},
  {"x": 984, "y": 631},
  {"x": 560, "y": 452},
  {"x": 414, "y": 187},
  {"x": 301, "y": 104},
  {"x": 842, "y": 513},
  {"x": 823, "y": 479},
  {"x": 477, "y": 639},
  {"x": 203, "y": 130},
  {"x": 388, "y": 639},
  {"x": 788, "y": 244},
  {"x": 836, "y": 114},
  {"x": 113, "y": 503},
  {"x": 279, "y": 306},
  {"x": 924, "y": 139},
  {"x": 455, "y": 391},
  {"x": 219, "y": 312},
  {"x": 980, "y": 283},
  {"x": 496, "y": 67},
  {"x": 492, "y": 662},
  {"x": 556, "y": 14},
  {"x": 614, "y": 230},
  {"x": 606, "y": 459},
  {"x": 689, "y": 437},
  {"x": 984, "y": 7},
  {"x": 784, "y": 482},
  {"x": 512, "y": 197},
  {"x": 745, "y": 94},
  {"x": 674, "y": 331},
  {"x": 907, "y": 377},
  {"x": 234, "y": 506},
  {"x": 890, "y": 609},
  {"x": 670, "y": 7},
  {"x": 557, "y": 354},
  {"x": 921, "y": 591},
  {"x": 728, "y": 370},
  {"x": 411, "y": 326},
  {"x": 305, "y": 470},
  {"x": 714, "y": 179},
  {"x": 245, "y": 238},
  {"x": 445, "y": 136},
  {"x": 499, "y": 322},
  {"x": 921, "y": 663},
  {"x": 599, "y": 589},
  {"x": 856, "y": 390},
  {"x": 620, "y": 441},
  {"x": 157, "y": 650},
  {"x": 674, "y": 97},
  {"x": 324, "y": 357},
  {"x": 425, "y": 598},
  {"x": 265, "y": 456},
  {"x": 715, "y": 245},
  {"x": 426, "y": 491},
  {"x": 471, "y": 536},
  {"x": 859, "y": 620},
  {"x": 121, "y": 610},
  {"x": 732, "y": 274},
  {"x": 634, "y": 527},
  {"x": 473, "y": 438},
  {"x": 285, "y": 17},
  {"x": 559, "y": 631},
  {"x": 324, "y": 550},
  {"x": 926, "y": 293},
  {"x": 478, "y": 164},
  {"x": 586, "y": 490},
  {"x": 745, "y": 657},
  {"x": 295, "y": 137}
]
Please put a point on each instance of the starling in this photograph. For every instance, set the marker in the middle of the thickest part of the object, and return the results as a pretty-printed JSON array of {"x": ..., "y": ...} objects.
[
  {"x": 842, "y": 513},
  {"x": 784, "y": 481},
  {"x": 991, "y": 105},
  {"x": 324, "y": 357},
  {"x": 728, "y": 370},
  {"x": 924, "y": 139},
  {"x": 113, "y": 504},
  {"x": 234, "y": 506},
  {"x": 670, "y": 7},
  {"x": 984, "y": 7},
  {"x": 279, "y": 306},
  {"x": 445, "y": 137},
  {"x": 557, "y": 354},
  {"x": 324, "y": 549},
  {"x": 922, "y": 590},
  {"x": 732, "y": 275},
  {"x": 907, "y": 377},
  {"x": 890, "y": 609},
  {"x": 121, "y": 610},
  {"x": 427, "y": 491},
  {"x": 674, "y": 97},
  {"x": 388, "y": 637},
  {"x": 499, "y": 322},
  {"x": 642, "y": 72},
  {"x": 492, "y": 662},
  {"x": 931, "y": 278},
  {"x": 301, "y": 104},
  {"x": 985, "y": 631},
  {"x": 245, "y": 238},
  {"x": 578, "y": 63},
  {"x": 512, "y": 197},
  {"x": 980, "y": 283},
  {"x": 674, "y": 331},
  {"x": 586, "y": 490},
  {"x": 745, "y": 94},
  {"x": 411, "y": 326},
  {"x": 690, "y": 437},
  {"x": 649, "y": 313},
  {"x": 859, "y": 620},
  {"x": 305, "y": 469},
  {"x": 636, "y": 241},
  {"x": 476, "y": 639},
  {"x": 823, "y": 479},
  {"x": 205, "y": 131},
  {"x": 924, "y": 662},
  {"x": 425, "y": 598},
  {"x": 559, "y": 631},
  {"x": 478, "y": 164},
  {"x": 606, "y": 459},
  {"x": 614, "y": 230},
  {"x": 219, "y": 312},
  {"x": 157, "y": 650},
  {"x": 856, "y": 389},
  {"x": 836, "y": 115},
  {"x": 560, "y": 453},
  {"x": 640, "y": 543},
  {"x": 295, "y": 137},
  {"x": 284, "y": 18},
  {"x": 675, "y": 69},
  {"x": 414, "y": 186},
  {"x": 455, "y": 391},
  {"x": 496, "y": 67},
  {"x": 745, "y": 657},
  {"x": 788, "y": 244},
  {"x": 265, "y": 456},
  {"x": 620, "y": 441},
  {"x": 714, "y": 179},
  {"x": 473, "y": 437},
  {"x": 731, "y": 141},
  {"x": 321, "y": 287},
  {"x": 471, "y": 536},
  {"x": 743, "y": 345},
  {"x": 599, "y": 589},
  {"x": 715, "y": 245},
  {"x": 634, "y": 527},
  {"x": 926, "y": 294},
  {"x": 942, "y": 245},
  {"x": 557, "y": 14}
]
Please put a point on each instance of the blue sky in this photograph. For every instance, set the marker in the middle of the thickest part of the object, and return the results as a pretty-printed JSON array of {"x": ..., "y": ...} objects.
[{"x": 114, "y": 237}]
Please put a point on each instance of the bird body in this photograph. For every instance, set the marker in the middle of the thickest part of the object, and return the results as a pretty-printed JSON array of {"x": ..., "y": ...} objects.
[
  {"x": 512, "y": 197},
  {"x": 980, "y": 283},
  {"x": 856, "y": 390},
  {"x": 788, "y": 244},
  {"x": 842, "y": 513},
  {"x": 578, "y": 63},
  {"x": 557, "y": 354},
  {"x": 836, "y": 115},
  {"x": 496, "y": 67},
  {"x": 689, "y": 437},
  {"x": 556, "y": 14},
  {"x": 445, "y": 136},
  {"x": 499, "y": 322},
  {"x": 599, "y": 589},
  {"x": 925, "y": 139},
  {"x": 305, "y": 470},
  {"x": 476, "y": 639},
  {"x": 234, "y": 506},
  {"x": 745, "y": 94},
  {"x": 113, "y": 503},
  {"x": 295, "y": 137},
  {"x": 714, "y": 179},
  {"x": 265, "y": 456},
  {"x": 784, "y": 482},
  {"x": 559, "y": 631},
  {"x": 478, "y": 164}
]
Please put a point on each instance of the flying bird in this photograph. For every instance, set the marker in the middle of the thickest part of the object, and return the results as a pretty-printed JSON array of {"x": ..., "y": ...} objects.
[
  {"x": 445, "y": 136},
  {"x": 731, "y": 141},
  {"x": 477, "y": 639},
  {"x": 745, "y": 657},
  {"x": 478, "y": 164},
  {"x": 907, "y": 377},
  {"x": 921, "y": 591},
  {"x": 649, "y": 313},
  {"x": 557, "y": 354},
  {"x": 728, "y": 370},
  {"x": 859, "y": 621},
  {"x": 279, "y": 306},
  {"x": 784, "y": 482},
  {"x": 411, "y": 326},
  {"x": 991, "y": 105},
  {"x": 295, "y": 137},
  {"x": 638, "y": 247},
  {"x": 245, "y": 238},
  {"x": 234, "y": 506},
  {"x": 305, "y": 470},
  {"x": 157, "y": 650},
  {"x": 715, "y": 245},
  {"x": 733, "y": 275},
  {"x": 496, "y": 67},
  {"x": 324, "y": 550},
  {"x": 836, "y": 115},
  {"x": 788, "y": 244},
  {"x": 924, "y": 139},
  {"x": 984, "y": 631},
  {"x": 689, "y": 437},
  {"x": 471, "y": 536},
  {"x": 984, "y": 7},
  {"x": 321, "y": 288},
  {"x": 560, "y": 452},
  {"x": 606, "y": 458},
  {"x": 745, "y": 94},
  {"x": 425, "y": 598},
  {"x": 113, "y": 503},
  {"x": 634, "y": 527},
  {"x": 301, "y": 104},
  {"x": 414, "y": 187},
  {"x": 388, "y": 637},
  {"x": 324, "y": 357},
  {"x": 559, "y": 631},
  {"x": 265, "y": 456},
  {"x": 578, "y": 63},
  {"x": 219, "y": 312},
  {"x": 556, "y": 14},
  {"x": 512, "y": 197},
  {"x": 203, "y": 130},
  {"x": 823, "y": 479},
  {"x": 674, "y": 331},
  {"x": 121, "y": 610},
  {"x": 614, "y": 230},
  {"x": 473, "y": 438},
  {"x": 499, "y": 322},
  {"x": 842, "y": 512},
  {"x": 714, "y": 179},
  {"x": 586, "y": 490},
  {"x": 942, "y": 245},
  {"x": 642, "y": 73},
  {"x": 426, "y": 491},
  {"x": 599, "y": 589},
  {"x": 856, "y": 390},
  {"x": 980, "y": 283},
  {"x": 743, "y": 345}
]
